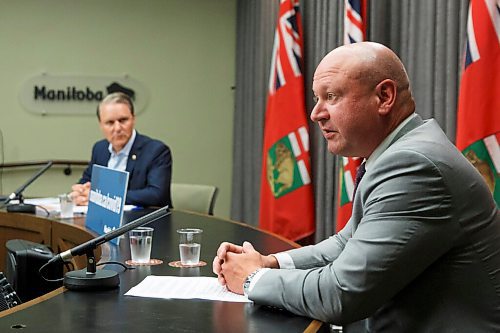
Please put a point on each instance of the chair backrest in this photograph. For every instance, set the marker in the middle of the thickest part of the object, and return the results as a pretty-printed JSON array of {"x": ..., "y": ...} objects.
[{"x": 194, "y": 197}]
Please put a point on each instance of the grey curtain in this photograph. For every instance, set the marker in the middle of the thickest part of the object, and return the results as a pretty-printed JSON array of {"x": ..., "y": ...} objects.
[{"x": 429, "y": 37}]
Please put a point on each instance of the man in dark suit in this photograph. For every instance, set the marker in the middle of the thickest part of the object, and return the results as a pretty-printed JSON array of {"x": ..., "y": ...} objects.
[
  {"x": 148, "y": 161},
  {"x": 421, "y": 251}
]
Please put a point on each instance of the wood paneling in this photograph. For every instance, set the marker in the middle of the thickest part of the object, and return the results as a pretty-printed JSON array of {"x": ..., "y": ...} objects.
[
  {"x": 66, "y": 236},
  {"x": 58, "y": 235},
  {"x": 22, "y": 226}
]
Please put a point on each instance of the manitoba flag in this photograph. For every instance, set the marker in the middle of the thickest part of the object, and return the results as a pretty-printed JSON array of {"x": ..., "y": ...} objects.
[
  {"x": 354, "y": 31},
  {"x": 286, "y": 196},
  {"x": 478, "y": 120}
]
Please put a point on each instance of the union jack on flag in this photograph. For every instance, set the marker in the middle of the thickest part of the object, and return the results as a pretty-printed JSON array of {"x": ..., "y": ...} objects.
[
  {"x": 287, "y": 36},
  {"x": 354, "y": 21}
]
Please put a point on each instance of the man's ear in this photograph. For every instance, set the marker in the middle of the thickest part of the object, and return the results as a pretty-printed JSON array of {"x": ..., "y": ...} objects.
[{"x": 386, "y": 92}]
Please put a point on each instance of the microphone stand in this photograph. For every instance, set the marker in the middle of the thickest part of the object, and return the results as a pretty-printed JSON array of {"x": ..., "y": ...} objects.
[
  {"x": 90, "y": 278},
  {"x": 21, "y": 207}
]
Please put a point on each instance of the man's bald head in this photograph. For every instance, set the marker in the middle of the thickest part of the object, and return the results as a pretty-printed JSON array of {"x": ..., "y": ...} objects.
[
  {"x": 363, "y": 94},
  {"x": 369, "y": 63}
]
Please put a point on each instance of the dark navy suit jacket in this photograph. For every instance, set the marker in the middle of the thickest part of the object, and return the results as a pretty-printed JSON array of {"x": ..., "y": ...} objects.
[{"x": 150, "y": 168}]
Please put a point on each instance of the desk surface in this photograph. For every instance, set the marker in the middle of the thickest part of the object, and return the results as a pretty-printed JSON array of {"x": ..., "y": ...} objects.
[{"x": 110, "y": 311}]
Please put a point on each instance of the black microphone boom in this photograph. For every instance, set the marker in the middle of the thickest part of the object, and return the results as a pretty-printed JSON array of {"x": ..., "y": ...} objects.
[
  {"x": 24, "y": 208},
  {"x": 89, "y": 279},
  {"x": 95, "y": 242}
]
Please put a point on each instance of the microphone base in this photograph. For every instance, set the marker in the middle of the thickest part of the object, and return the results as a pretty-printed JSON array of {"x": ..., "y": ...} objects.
[
  {"x": 22, "y": 208},
  {"x": 81, "y": 281}
]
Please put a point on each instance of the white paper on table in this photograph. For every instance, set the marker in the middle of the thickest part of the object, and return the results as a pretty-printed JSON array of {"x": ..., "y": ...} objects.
[
  {"x": 201, "y": 287},
  {"x": 52, "y": 201},
  {"x": 53, "y": 206},
  {"x": 50, "y": 204}
]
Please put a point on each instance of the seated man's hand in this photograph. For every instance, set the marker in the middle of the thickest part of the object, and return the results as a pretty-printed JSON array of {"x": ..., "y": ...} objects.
[
  {"x": 234, "y": 263},
  {"x": 224, "y": 248},
  {"x": 80, "y": 194},
  {"x": 237, "y": 266}
]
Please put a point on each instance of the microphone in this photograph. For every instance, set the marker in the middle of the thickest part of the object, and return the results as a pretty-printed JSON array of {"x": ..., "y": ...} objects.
[
  {"x": 22, "y": 207},
  {"x": 90, "y": 278}
]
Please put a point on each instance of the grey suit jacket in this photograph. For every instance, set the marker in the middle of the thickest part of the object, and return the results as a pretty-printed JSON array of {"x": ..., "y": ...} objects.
[{"x": 421, "y": 252}]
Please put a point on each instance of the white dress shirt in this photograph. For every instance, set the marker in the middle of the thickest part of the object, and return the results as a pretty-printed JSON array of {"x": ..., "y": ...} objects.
[{"x": 118, "y": 160}]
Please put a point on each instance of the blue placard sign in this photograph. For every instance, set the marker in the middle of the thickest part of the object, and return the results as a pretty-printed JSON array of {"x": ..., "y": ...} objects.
[{"x": 108, "y": 189}]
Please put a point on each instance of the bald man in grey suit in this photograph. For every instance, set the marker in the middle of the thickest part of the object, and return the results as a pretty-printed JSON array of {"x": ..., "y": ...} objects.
[{"x": 421, "y": 252}]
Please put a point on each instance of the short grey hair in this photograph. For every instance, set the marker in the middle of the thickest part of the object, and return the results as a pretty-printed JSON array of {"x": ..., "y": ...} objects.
[{"x": 119, "y": 98}]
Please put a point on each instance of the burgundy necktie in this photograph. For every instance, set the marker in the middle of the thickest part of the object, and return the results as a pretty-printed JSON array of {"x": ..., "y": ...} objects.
[{"x": 359, "y": 174}]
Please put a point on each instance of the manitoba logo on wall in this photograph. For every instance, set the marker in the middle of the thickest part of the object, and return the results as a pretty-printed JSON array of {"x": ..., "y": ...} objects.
[{"x": 77, "y": 94}]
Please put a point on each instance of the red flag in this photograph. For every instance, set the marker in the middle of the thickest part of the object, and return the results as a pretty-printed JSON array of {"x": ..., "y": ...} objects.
[
  {"x": 286, "y": 196},
  {"x": 478, "y": 121},
  {"x": 354, "y": 31}
]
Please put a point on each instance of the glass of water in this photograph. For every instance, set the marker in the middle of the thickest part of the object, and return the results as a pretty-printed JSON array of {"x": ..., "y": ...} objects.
[
  {"x": 67, "y": 204},
  {"x": 190, "y": 246},
  {"x": 141, "y": 239}
]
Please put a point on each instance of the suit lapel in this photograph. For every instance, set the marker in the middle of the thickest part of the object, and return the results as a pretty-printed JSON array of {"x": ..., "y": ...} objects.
[
  {"x": 103, "y": 155},
  {"x": 135, "y": 153}
]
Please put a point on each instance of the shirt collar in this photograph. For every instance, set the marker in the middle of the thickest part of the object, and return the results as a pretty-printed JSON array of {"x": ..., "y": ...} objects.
[
  {"x": 126, "y": 149},
  {"x": 387, "y": 141}
]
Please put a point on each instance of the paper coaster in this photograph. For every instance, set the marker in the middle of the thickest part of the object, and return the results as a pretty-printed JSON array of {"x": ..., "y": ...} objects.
[
  {"x": 151, "y": 262},
  {"x": 178, "y": 264}
]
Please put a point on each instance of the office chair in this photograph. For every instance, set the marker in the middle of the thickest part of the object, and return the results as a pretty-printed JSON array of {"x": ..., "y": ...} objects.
[{"x": 194, "y": 197}]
